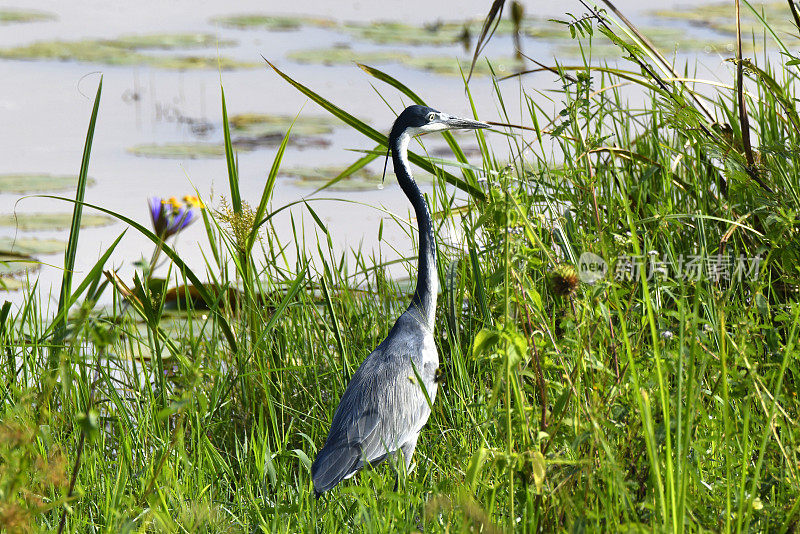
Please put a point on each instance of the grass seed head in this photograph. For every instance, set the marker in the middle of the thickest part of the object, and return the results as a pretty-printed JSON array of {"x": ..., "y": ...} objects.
[
  {"x": 239, "y": 224},
  {"x": 564, "y": 280}
]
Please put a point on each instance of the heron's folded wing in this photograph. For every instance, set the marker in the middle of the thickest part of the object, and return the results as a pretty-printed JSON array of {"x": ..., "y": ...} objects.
[
  {"x": 343, "y": 453},
  {"x": 382, "y": 408}
]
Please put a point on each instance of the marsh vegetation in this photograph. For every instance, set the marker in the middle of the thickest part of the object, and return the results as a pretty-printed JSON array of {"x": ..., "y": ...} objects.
[{"x": 618, "y": 326}]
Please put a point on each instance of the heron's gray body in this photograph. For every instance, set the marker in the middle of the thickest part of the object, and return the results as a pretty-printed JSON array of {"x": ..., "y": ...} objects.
[{"x": 384, "y": 406}]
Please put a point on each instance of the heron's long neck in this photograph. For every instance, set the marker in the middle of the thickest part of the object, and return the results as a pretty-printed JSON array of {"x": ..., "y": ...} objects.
[{"x": 428, "y": 281}]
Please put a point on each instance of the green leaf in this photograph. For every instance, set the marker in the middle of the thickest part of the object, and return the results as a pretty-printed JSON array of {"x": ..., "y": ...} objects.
[
  {"x": 538, "y": 468},
  {"x": 517, "y": 349},
  {"x": 487, "y": 31},
  {"x": 475, "y": 466},
  {"x": 266, "y": 330},
  {"x": 88, "y": 422},
  {"x": 316, "y": 218},
  {"x": 485, "y": 340},
  {"x": 353, "y": 168},
  {"x": 303, "y": 458},
  {"x": 91, "y": 277}
]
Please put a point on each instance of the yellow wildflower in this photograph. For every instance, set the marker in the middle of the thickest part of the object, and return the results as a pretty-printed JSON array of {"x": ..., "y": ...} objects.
[{"x": 193, "y": 201}]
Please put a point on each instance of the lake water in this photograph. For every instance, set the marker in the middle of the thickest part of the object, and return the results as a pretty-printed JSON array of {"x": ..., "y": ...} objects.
[{"x": 45, "y": 108}]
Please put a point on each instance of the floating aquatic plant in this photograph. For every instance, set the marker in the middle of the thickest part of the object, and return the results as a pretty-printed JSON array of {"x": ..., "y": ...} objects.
[
  {"x": 450, "y": 32},
  {"x": 168, "y": 41},
  {"x": 343, "y": 55},
  {"x": 451, "y": 66},
  {"x": 444, "y": 64},
  {"x": 316, "y": 177},
  {"x": 665, "y": 39},
  {"x": 262, "y": 124},
  {"x": 125, "y": 51},
  {"x": 13, "y": 264},
  {"x": 251, "y": 133},
  {"x": 252, "y": 21},
  {"x": 720, "y": 17},
  {"x": 179, "y": 150},
  {"x": 32, "y": 246},
  {"x": 20, "y": 183},
  {"x": 12, "y": 16},
  {"x": 50, "y": 221}
]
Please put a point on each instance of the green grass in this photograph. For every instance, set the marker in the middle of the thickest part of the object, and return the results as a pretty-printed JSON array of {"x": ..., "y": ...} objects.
[{"x": 664, "y": 404}]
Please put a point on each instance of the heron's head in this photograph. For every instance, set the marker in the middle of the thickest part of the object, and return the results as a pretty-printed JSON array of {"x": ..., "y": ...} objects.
[{"x": 419, "y": 120}]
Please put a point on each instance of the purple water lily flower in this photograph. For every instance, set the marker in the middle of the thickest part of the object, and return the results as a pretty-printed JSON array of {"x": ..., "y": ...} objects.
[{"x": 169, "y": 216}]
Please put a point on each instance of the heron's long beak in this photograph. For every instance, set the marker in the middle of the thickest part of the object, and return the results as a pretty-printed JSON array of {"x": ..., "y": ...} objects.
[{"x": 456, "y": 123}]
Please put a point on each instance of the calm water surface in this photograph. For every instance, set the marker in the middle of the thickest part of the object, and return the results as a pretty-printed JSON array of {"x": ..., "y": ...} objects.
[{"x": 45, "y": 108}]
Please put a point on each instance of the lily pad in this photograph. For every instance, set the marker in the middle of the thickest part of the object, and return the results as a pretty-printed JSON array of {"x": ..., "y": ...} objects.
[
  {"x": 448, "y": 65},
  {"x": 197, "y": 63},
  {"x": 361, "y": 180},
  {"x": 447, "y": 32},
  {"x": 12, "y": 16},
  {"x": 665, "y": 39},
  {"x": 110, "y": 52},
  {"x": 168, "y": 41},
  {"x": 179, "y": 150},
  {"x": 345, "y": 55},
  {"x": 13, "y": 264},
  {"x": 37, "y": 183},
  {"x": 217, "y": 150},
  {"x": 33, "y": 246},
  {"x": 393, "y": 32},
  {"x": 721, "y": 18},
  {"x": 451, "y": 66},
  {"x": 248, "y": 21},
  {"x": 51, "y": 221},
  {"x": 259, "y": 125},
  {"x": 10, "y": 284},
  {"x": 315, "y": 177}
]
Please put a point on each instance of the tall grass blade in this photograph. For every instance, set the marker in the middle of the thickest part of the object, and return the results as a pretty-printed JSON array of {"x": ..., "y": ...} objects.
[
  {"x": 269, "y": 186},
  {"x": 487, "y": 31},
  {"x": 230, "y": 160},
  {"x": 208, "y": 298},
  {"x": 351, "y": 169},
  {"x": 75, "y": 225},
  {"x": 91, "y": 278}
]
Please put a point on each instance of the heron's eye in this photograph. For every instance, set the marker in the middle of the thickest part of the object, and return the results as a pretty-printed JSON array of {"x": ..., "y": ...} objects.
[{"x": 431, "y": 116}]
